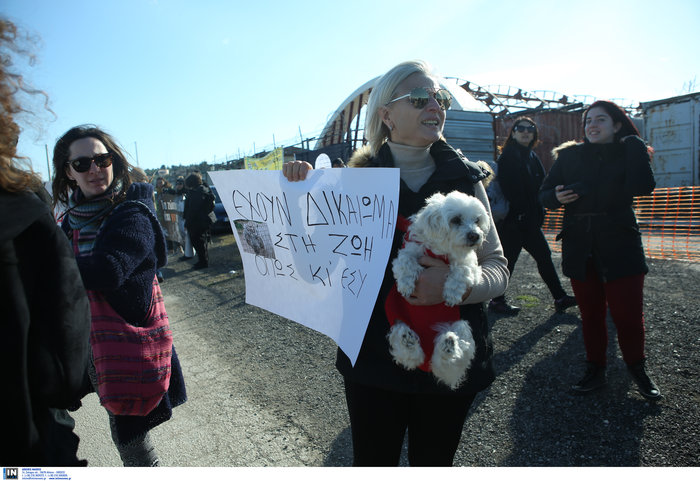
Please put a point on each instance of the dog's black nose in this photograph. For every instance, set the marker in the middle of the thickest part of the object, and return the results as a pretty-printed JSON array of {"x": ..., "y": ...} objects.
[{"x": 473, "y": 237}]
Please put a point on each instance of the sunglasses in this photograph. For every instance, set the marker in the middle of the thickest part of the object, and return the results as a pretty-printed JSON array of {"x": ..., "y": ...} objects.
[
  {"x": 83, "y": 164},
  {"x": 525, "y": 128},
  {"x": 419, "y": 98}
]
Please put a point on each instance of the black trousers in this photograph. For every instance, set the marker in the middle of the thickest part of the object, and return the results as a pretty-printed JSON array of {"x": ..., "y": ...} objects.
[
  {"x": 199, "y": 242},
  {"x": 379, "y": 420},
  {"x": 516, "y": 236}
]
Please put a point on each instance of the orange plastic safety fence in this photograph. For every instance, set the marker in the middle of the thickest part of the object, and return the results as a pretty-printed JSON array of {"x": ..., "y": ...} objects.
[{"x": 669, "y": 220}]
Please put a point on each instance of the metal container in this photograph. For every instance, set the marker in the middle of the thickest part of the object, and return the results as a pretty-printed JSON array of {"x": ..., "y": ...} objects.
[
  {"x": 672, "y": 128},
  {"x": 555, "y": 126},
  {"x": 471, "y": 132}
]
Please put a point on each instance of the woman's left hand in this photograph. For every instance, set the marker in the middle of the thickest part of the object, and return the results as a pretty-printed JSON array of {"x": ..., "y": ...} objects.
[{"x": 430, "y": 283}]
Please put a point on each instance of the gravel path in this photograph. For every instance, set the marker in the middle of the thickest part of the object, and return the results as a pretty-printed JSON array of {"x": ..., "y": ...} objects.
[{"x": 264, "y": 390}]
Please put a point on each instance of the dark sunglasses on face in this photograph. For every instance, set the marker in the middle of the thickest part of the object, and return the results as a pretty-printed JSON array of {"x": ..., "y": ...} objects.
[
  {"x": 525, "y": 128},
  {"x": 83, "y": 164},
  {"x": 419, "y": 98}
]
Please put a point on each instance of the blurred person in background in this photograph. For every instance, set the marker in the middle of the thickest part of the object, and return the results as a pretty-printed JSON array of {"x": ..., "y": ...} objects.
[
  {"x": 180, "y": 192},
  {"x": 199, "y": 216},
  {"x": 520, "y": 174}
]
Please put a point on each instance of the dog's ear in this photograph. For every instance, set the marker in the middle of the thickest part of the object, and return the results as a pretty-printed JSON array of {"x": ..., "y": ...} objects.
[
  {"x": 437, "y": 197},
  {"x": 432, "y": 223},
  {"x": 483, "y": 219}
]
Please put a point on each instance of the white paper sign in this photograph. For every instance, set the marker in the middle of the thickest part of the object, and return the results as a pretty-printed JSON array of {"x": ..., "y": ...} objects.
[{"x": 314, "y": 251}]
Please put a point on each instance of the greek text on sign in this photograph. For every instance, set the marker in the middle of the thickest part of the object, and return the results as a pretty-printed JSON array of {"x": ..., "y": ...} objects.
[{"x": 314, "y": 251}]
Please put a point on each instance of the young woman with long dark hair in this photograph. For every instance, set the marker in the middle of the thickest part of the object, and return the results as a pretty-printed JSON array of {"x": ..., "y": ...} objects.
[{"x": 602, "y": 253}]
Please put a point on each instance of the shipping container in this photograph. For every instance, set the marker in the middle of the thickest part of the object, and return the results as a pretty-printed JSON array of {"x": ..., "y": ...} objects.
[
  {"x": 471, "y": 132},
  {"x": 555, "y": 126},
  {"x": 672, "y": 128}
]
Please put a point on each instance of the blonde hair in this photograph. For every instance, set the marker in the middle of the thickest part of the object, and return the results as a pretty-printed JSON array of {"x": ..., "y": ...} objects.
[{"x": 384, "y": 91}]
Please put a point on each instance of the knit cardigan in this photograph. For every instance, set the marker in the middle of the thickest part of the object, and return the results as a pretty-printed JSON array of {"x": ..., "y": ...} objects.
[{"x": 128, "y": 250}]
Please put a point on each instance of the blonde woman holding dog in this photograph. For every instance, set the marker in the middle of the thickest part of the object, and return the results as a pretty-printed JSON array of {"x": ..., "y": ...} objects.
[
  {"x": 596, "y": 181},
  {"x": 404, "y": 124}
]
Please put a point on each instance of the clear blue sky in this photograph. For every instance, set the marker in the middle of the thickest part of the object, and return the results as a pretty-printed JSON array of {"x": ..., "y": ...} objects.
[{"x": 186, "y": 81}]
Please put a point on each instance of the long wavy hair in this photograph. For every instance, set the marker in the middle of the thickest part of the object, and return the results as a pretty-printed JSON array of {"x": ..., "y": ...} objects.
[
  {"x": 63, "y": 186},
  {"x": 15, "y": 172}
]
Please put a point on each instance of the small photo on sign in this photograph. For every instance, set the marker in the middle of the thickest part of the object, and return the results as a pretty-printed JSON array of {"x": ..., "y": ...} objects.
[{"x": 255, "y": 238}]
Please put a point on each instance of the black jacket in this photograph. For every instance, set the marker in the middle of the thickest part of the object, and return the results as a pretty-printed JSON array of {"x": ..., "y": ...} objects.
[
  {"x": 601, "y": 223},
  {"x": 199, "y": 203},
  {"x": 374, "y": 365},
  {"x": 520, "y": 174},
  {"x": 45, "y": 331}
]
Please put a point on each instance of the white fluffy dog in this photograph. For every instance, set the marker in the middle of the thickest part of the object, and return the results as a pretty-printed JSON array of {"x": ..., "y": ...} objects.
[{"x": 453, "y": 226}]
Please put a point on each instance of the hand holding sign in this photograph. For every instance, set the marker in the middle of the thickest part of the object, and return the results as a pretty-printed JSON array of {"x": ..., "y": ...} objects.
[{"x": 320, "y": 245}]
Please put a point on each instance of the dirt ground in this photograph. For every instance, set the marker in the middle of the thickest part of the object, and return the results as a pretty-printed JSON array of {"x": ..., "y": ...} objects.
[{"x": 267, "y": 389}]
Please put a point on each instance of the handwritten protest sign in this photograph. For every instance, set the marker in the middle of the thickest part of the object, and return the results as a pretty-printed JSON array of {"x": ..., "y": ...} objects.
[
  {"x": 314, "y": 251},
  {"x": 171, "y": 209}
]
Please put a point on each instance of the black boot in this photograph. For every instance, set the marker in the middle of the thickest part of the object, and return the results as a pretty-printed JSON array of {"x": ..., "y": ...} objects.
[
  {"x": 564, "y": 302},
  {"x": 501, "y": 306},
  {"x": 647, "y": 387},
  {"x": 594, "y": 378}
]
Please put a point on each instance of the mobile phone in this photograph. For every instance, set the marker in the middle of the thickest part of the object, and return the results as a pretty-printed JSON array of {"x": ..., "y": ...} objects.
[{"x": 580, "y": 188}]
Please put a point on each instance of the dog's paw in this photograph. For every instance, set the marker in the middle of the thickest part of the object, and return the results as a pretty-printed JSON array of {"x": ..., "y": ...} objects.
[
  {"x": 459, "y": 279},
  {"x": 453, "y": 294},
  {"x": 406, "y": 271},
  {"x": 453, "y": 354},
  {"x": 405, "y": 287},
  {"x": 404, "y": 345}
]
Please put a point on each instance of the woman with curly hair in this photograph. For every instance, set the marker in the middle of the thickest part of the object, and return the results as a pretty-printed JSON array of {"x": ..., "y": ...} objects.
[{"x": 43, "y": 305}]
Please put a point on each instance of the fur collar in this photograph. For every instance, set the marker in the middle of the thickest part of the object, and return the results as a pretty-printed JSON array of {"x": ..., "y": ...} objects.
[
  {"x": 440, "y": 150},
  {"x": 564, "y": 146}
]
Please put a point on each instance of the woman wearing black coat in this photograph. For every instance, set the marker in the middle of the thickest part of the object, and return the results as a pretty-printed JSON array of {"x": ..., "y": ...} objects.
[
  {"x": 602, "y": 251},
  {"x": 44, "y": 309},
  {"x": 520, "y": 175},
  {"x": 199, "y": 216},
  {"x": 405, "y": 118}
]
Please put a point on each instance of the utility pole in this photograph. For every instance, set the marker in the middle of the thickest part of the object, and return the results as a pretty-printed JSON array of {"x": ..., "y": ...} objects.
[
  {"x": 136, "y": 149},
  {"x": 48, "y": 164}
]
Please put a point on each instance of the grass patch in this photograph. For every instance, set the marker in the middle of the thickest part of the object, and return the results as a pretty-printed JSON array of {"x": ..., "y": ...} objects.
[{"x": 528, "y": 301}]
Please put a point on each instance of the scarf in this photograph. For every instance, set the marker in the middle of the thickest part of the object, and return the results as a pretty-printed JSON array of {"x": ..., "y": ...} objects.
[{"x": 86, "y": 216}]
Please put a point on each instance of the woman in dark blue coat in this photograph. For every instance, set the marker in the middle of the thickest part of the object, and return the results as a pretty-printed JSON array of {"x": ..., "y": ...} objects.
[
  {"x": 596, "y": 180},
  {"x": 120, "y": 247}
]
